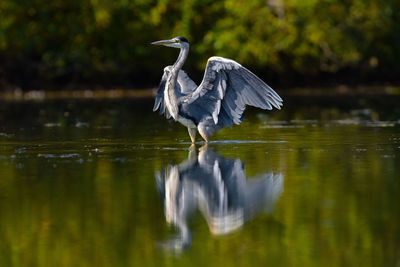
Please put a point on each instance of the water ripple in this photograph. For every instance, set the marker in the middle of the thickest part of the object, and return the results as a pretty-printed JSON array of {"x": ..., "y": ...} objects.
[{"x": 59, "y": 156}]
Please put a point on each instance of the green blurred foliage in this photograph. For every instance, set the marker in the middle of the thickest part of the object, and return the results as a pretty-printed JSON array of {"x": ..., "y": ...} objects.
[{"x": 107, "y": 41}]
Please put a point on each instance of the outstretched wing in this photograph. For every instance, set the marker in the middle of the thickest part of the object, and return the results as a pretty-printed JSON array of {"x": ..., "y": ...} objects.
[
  {"x": 159, "y": 102},
  {"x": 184, "y": 86},
  {"x": 226, "y": 89}
]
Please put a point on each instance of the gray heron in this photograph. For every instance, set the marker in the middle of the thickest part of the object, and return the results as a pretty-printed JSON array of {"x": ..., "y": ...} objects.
[{"x": 220, "y": 99}]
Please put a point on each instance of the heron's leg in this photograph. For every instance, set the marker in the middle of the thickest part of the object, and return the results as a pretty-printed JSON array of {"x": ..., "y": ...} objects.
[
  {"x": 192, "y": 133},
  {"x": 203, "y": 134},
  {"x": 203, "y": 129}
]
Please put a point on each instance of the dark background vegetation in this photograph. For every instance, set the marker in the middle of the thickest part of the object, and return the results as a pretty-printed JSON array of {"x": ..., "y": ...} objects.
[{"x": 70, "y": 44}]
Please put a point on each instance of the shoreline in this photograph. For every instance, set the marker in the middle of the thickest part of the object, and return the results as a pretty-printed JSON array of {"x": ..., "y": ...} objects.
[{"x": 119, "y": 93}]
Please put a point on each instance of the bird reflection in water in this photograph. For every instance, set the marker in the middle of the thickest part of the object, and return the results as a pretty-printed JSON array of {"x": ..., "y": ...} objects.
[{"x": 218, "y": 187}]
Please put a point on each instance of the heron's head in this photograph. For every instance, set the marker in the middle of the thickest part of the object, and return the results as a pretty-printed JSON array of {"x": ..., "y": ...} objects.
[{"x": 177, "y": 42}]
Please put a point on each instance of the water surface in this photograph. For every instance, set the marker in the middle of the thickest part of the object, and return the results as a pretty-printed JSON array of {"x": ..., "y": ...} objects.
[{"x": 84, "y": 182}]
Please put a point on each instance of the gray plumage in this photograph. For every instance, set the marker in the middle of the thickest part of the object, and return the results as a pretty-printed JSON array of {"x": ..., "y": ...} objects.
[{"x": 220, "y": 99}]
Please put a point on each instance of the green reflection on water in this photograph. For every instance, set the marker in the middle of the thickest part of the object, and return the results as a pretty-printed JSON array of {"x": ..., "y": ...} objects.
[{"x": 78, "y": 188}]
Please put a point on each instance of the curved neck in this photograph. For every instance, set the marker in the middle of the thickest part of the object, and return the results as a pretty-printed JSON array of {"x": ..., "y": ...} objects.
[
  {"x": 184, "y": 51},
  {"x": 172, "y": 98}
]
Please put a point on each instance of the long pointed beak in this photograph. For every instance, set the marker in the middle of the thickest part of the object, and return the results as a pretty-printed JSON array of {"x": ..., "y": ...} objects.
[{"x": 163, "y": 42}]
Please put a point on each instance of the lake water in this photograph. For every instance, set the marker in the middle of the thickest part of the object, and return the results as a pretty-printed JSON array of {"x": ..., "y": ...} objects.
[{"x": 110, "y": 183}]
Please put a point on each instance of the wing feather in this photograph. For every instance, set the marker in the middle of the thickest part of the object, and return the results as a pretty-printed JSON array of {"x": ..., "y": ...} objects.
[
  {"x": 159, "y": 102},
  {"x": 225, "y": 91},
  {"x": 184, "y": 86}
]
